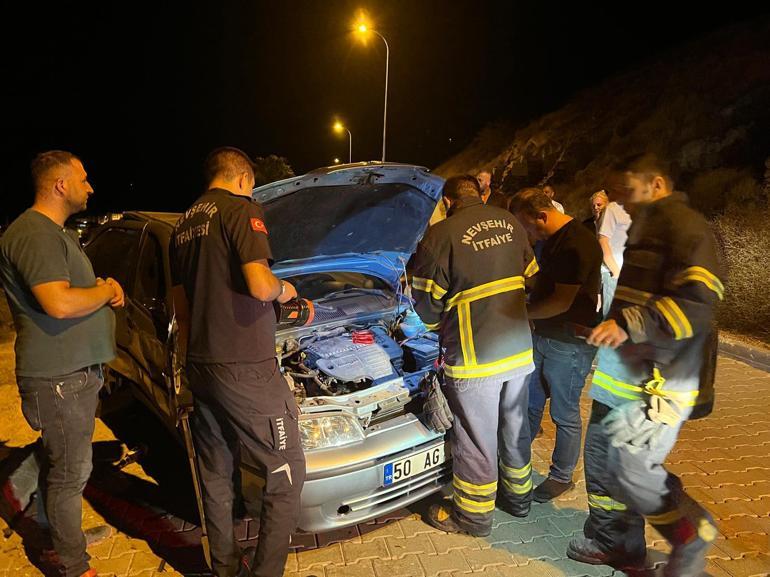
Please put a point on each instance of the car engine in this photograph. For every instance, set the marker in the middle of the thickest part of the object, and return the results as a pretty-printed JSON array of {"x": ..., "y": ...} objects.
[{"x": 349, "y": 359}]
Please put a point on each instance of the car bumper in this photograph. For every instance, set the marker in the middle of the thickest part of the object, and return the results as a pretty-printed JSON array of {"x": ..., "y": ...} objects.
[{"x": 344, "y": 486}]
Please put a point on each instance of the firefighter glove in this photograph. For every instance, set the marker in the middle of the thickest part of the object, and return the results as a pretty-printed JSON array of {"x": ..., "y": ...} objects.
[{"x": 438, "y": 416}]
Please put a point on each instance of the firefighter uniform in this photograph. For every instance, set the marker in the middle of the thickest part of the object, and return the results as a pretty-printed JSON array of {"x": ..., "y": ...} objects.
[
  {"x": 666, "y": 295},
  {"x": 468, "y": 283}
]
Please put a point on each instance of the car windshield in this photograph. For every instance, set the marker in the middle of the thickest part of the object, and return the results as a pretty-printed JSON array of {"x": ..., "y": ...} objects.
[{"x": 333, "y": 220}]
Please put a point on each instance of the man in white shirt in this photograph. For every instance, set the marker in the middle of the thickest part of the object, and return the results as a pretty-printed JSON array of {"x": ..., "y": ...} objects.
[
  {"x": 550, "y": 193},
  {"x": 613, "y": 233}
]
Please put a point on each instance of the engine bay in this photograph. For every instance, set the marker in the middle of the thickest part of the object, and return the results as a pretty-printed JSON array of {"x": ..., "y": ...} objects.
[{"x": 361, "y": 369}]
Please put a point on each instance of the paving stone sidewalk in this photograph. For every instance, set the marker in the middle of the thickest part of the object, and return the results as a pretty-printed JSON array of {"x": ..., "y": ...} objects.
[{"x": 724, "y": 462}]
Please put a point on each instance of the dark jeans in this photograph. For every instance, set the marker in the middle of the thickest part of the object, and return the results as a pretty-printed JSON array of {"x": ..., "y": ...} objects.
[
  {"x": 247, "y": 407},
  {"x": 561, "y": 368},
  {"x": 63, "y": 408}
]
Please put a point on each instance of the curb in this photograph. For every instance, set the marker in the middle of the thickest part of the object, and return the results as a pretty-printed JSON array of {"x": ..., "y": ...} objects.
[{"x": 752, "y": 356}]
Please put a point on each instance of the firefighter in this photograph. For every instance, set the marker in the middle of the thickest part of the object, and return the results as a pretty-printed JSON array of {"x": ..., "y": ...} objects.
[
  {"x": 468, "y": 283},
  {"x": 655, "y": 370}
]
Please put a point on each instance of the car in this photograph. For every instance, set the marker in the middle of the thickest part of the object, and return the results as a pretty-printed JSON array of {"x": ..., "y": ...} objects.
[{"x": 342, "y": 235}]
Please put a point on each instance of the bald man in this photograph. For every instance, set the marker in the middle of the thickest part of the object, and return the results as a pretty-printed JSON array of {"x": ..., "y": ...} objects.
[
  {"x": 489, "y": 196},
  {"x": 65, "y": 332}
]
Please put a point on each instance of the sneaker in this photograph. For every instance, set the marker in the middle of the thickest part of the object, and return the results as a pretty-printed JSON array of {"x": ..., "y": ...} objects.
[
  {"x": 98, "y": 534},
  {"x": 440, "y": 517},
  {"x": 550, "y": 489},
  {"x": 247, "y": 562},
  {"x": 588, "y": 551}
]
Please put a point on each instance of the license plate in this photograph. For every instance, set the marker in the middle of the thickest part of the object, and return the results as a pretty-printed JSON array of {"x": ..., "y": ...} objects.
[{"x": 414, "y": 464}]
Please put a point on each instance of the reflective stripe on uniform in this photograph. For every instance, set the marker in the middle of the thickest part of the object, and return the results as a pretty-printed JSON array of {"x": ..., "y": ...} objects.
[
  {"x": 665, "y": 518},
  {"x": 666, "y": 305},
  {"x": 433, "y": 327},
  {"x": 466, "y": 334},
  {"x": 532, "y": 268},
  {"x": 486, "y": 290},
  {"x": 429, "y": 286},
  {"x": 604, "y": 502},
  {"x": 474, "y": 506},
  {"x": 473, "y": 489},
  {"x": 702, "y": 275},
  {"x": 522, "y": 489},
  {"x": 489, "y": 369},
  {"x": 514, "y": 473},
  {"x": 616, "y": 387}
]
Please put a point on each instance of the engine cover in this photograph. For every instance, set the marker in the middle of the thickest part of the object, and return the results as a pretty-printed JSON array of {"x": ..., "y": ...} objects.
[{"x": 340, "y": 358}]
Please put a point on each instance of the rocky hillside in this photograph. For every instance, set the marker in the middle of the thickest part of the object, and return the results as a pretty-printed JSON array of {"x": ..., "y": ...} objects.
[{"x": 705, "y": 105}]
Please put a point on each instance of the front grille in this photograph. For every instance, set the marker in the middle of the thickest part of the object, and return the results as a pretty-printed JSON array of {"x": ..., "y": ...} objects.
[{"x": 418, "y": 486}]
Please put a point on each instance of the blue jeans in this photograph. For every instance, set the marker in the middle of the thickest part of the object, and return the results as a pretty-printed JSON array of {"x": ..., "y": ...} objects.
[
  {"x": 560, "y": 368},
  {"x": 609, "y": 284},
  {"x": 63, "y": 409}
]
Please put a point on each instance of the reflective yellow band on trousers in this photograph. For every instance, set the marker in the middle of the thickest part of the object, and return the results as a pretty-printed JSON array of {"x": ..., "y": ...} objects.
[
  {"x": 486, "y": 290},
  {"x": 474, "y": 506},
  {"x": 428, "y": 286},
  {"x": 472, "y": 489},
  {"x": 490, "y": 369},
  {"x": 606, "y": 503},
  {"x": 522, "y": 489},
  {"x": 515, "y": 473}
]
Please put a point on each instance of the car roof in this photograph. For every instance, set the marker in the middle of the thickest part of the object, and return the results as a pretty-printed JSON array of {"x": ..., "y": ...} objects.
[{"x": 168, "y": 218}]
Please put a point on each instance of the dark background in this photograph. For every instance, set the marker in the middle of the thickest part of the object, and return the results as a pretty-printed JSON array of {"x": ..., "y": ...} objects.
[{"x": 142, "y": 92}]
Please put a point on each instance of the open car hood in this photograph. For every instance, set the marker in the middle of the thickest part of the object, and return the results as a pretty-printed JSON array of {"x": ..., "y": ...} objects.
[{"x": 365, "y": 217}]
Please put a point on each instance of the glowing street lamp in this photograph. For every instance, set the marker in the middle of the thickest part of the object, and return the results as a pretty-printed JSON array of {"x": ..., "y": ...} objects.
[
  {"x": 336, "y": 160},
  {"x": 339, "y": 128},
  {"x": 363, "y": 29}
]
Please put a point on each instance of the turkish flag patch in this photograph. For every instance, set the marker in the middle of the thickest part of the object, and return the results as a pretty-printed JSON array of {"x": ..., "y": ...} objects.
[{"x": 258, "y": 226}]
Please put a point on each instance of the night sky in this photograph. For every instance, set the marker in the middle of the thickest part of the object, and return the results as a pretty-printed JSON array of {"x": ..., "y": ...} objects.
[{"x": 141, "y": 92}]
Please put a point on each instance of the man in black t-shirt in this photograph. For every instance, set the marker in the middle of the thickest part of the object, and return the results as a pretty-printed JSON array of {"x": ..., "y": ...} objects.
[
  {"x": 223, "y": 296},
  {"x": 562, "y": 304}
]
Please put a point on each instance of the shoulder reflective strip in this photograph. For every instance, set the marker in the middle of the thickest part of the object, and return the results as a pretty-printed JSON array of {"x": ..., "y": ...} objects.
[
  {"x": 490, "y": 369},
  {"x": 428, "y": 286},
  {"x": 606, "y": 503},
  {"x": 515, "y": 473},
  {"x": 675, "y": 317},
  {"x": 486, "y": 290},
  {"x": 474, "y": 506},
  {"x": 472, "y": 489},
  {"x": 607, "y": 383},
  {"x": 532, "y": 268},
  {"x": 633, "y": 296},
  {"x": 432, "y": 327},
  {"x": 700, "y": 274},
  {"x": 522, "y": 489},
  {"x": 665, "y": 518}
]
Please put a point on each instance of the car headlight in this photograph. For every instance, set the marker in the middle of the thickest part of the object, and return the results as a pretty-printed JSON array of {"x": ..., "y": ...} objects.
[{"x": 323, "y": 432}]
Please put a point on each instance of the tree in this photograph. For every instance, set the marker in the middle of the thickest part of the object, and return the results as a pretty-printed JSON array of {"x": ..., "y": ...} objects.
[{"x": 268, "y": 169}]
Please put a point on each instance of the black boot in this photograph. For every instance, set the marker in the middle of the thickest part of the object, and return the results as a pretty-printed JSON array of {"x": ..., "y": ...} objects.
[
  {"x": 441, "y": 517},
  {"x": 550, "y": 489},
  {"x": 589, "y": 551}
]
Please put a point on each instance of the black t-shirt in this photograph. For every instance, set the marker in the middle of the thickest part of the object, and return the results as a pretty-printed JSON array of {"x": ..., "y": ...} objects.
[
  {"x": 572, "y": 256},
  {"x": 220, "y": 232}
]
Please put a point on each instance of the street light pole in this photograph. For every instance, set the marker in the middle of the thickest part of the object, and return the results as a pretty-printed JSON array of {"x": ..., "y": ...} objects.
[
  {"x": 385, "y": 108},
  {"x": 339, "y": 127}
]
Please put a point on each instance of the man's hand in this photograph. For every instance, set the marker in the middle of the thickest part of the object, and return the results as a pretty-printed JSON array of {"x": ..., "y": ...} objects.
[
  {"x": 289, "y": 292},
  {"x": 614, "y": 270},
  {"x": 119, "y": 300},
  {"x": 608, "y": 334}
]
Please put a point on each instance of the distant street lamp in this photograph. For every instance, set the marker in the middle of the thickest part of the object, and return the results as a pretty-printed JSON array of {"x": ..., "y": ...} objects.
[
  {"x": 363, "y": 30},
  {"x": 339, "y": 128},
  {"x": 336, "y": 160}
]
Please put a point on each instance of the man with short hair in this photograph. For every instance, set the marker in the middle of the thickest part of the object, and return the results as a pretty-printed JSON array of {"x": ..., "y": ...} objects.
[
  {"x": 489, "y": 196},
  {"x": 613, "y": 233},
  {"x": 65, "y": 332},
  {"x": 550, "y": 192},
  {"x": 223, "y": 295},
  {"x": 468, "y": 283},
  {"x": 655, "y": 370},
  {"x": 563, "y": 302}
]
